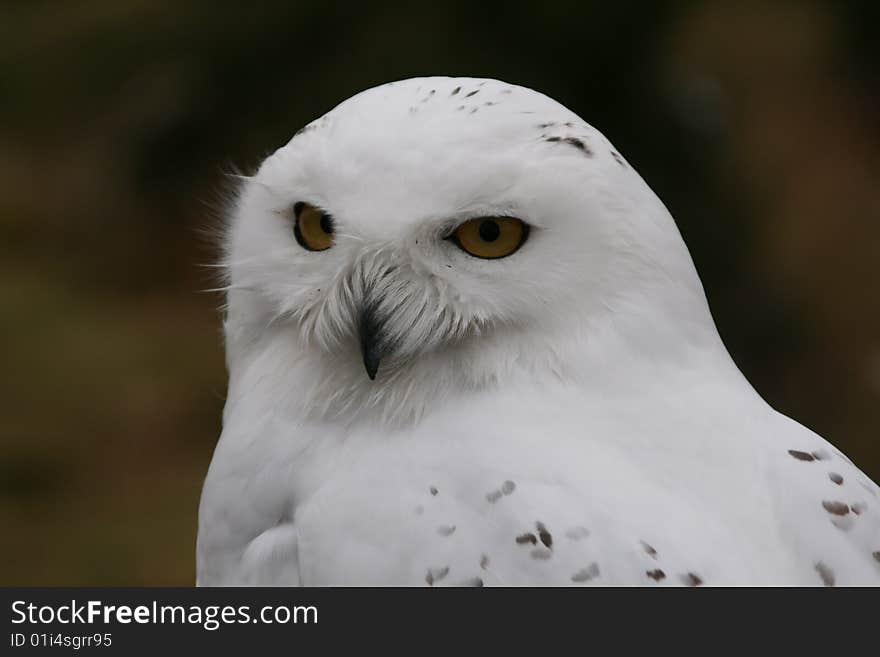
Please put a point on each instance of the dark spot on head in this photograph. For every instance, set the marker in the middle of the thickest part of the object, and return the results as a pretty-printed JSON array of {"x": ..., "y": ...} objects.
[
  {"x": 544, "y": 126},
  {"x": 436, "y": 574},
  {"x": 508, "y": 487},
  {"x": 484, "y": 561},
  {"x": 836, "y": 478},
  {"x": 528, "y": 537},
  {"x": 459, "y": 108},
  {"x": 554, "y": 139},
  {"x": 455, "y": 91},
  {"x": 835, "y": 508},
  {"x": 473, "y": 110},
  {"x": 568, "y": 124},
  {"x": 876, "y": 555},
  {"x": 801, "y": 456},
  {"x": 656, "y": 574},
  {"x": 446, "y": 530},
  {"x": 692, "y": 579},
  {"x": 472, "y": 93},
  {"x": 474, "y": 581},
  {"x": 488, "y": 103},
  {"x": 494, "y": 496},
  {"x": 825, "y": 573},
  {"x": 651, "y": 551},
  {"x": 433, "y": 490},
  {"x": 544, "y": 535},
  {"x": 579, "y": 144},
  {"x": 617, "y": 158}
]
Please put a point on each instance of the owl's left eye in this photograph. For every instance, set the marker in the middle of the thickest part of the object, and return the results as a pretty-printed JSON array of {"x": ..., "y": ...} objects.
[
  {"x": 313, "y": 228},
  {"x": 491, "y": 237}
]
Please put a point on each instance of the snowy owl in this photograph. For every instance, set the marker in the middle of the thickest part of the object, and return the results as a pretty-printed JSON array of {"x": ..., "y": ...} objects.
[{"x": 467, "y": 346}]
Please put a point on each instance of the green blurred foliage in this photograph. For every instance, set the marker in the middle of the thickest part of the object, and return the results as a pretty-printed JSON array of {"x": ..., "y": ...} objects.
[{"x": 755, "y": 122}]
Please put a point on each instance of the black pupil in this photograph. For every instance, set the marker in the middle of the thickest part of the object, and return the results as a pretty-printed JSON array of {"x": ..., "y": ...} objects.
[
  {"x": 326, "y": 223},
  {"x": 489, "y": 230}
]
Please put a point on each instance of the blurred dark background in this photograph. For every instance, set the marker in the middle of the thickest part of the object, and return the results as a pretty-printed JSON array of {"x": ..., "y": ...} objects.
[{"x": 757, "y": 123}]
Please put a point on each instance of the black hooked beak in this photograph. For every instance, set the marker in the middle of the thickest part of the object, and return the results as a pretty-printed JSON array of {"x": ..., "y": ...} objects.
[{"x": 373, "y": 347}]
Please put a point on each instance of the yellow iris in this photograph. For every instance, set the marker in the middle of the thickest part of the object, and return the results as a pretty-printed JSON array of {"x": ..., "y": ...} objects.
[
  {"x": 313, "y": 228},
  {"x": 491, "y": 237}
]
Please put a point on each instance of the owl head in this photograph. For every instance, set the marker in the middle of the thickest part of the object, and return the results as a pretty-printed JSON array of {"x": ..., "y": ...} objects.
[{"x": 441, "y": 234}]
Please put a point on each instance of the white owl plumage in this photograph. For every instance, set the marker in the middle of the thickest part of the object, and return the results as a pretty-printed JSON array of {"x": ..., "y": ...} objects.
[{"x": 565, "y": 415}]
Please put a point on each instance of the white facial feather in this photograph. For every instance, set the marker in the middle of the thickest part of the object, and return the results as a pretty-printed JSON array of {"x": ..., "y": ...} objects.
[{"x": 398, "y": 167}]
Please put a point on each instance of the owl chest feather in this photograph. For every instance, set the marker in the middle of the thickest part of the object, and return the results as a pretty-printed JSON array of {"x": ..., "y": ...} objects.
[{"x": 561, "y": 493}]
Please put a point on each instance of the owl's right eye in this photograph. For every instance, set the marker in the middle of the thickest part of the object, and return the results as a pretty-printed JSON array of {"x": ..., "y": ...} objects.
[{"x": 313, "y": 228}]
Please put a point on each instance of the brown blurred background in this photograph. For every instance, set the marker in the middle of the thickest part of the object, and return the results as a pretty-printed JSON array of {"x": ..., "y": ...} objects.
[{"x": 758, "y": 124}]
